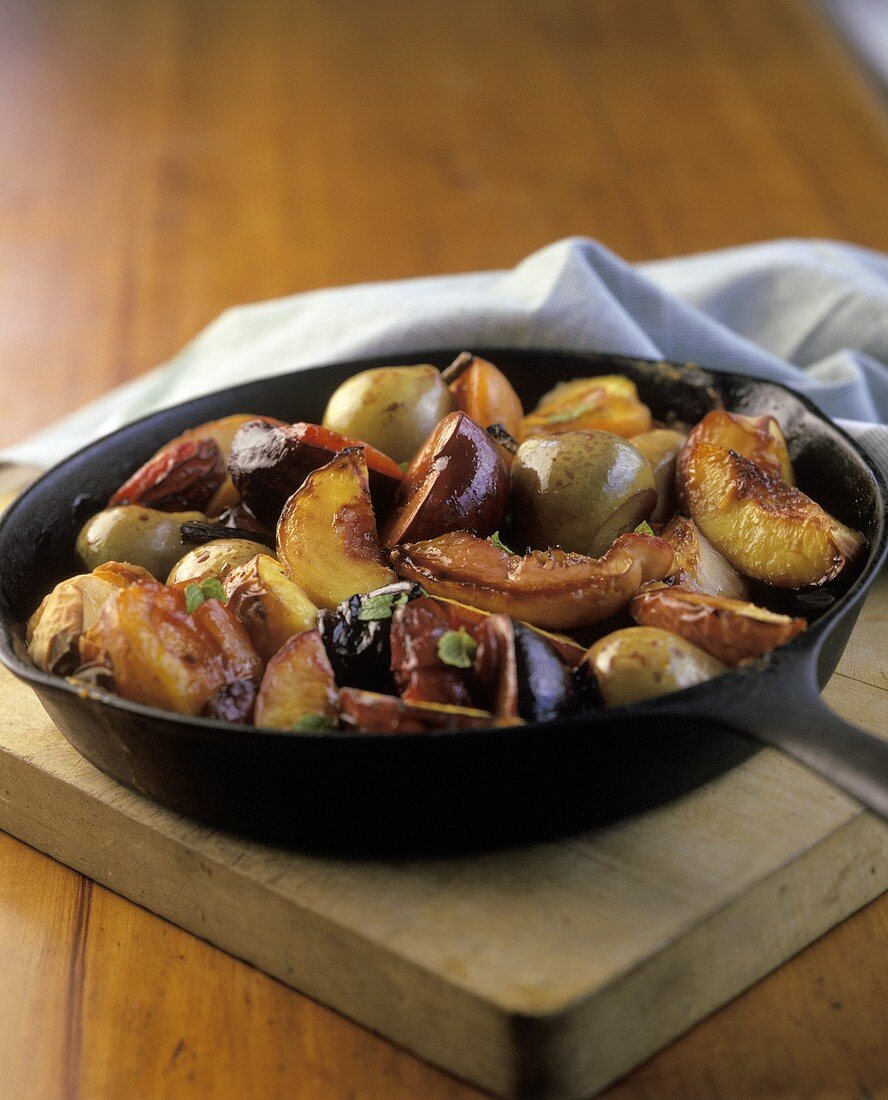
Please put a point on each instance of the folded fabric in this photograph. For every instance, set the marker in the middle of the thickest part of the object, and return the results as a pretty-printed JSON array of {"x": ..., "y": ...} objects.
[{"x": 810, "y": 314}]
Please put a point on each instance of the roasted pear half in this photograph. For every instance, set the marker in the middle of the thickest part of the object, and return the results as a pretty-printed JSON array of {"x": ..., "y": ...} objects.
[
  {"x": 731, "y": 630},
  {"x": 553, "y": 588},
  {"x": 327, "y": 540},
  {"x": 765, "y": 528}
]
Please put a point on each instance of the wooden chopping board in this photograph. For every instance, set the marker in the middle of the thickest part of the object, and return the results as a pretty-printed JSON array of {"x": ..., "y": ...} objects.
[{"x": 545, "y": 971}]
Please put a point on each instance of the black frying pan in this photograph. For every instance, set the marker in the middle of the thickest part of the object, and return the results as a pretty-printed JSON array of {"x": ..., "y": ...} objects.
[{"x": 445, "y": 791}]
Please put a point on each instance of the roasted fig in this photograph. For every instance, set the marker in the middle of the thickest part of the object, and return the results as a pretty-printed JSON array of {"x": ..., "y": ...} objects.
[
  {"x": 56, "y": 627},
  {"x": 327, "y": 537},
  {"x": 369, "y": 712},
  {"x": 731, "y": 630},
  {"x": 140, "y": 536},
  {"x": 495, "y": 667},
  {"x": 642, "y": 662},
  {"x": 661, "y": 447},
  {"x": 222, "y": 433},
  {"x": 579, "y": 490},
  {"x": 547, "y": 689},
  {"x": 765, "y": 528},
  {"x": 298, "y": 686},
  {"x": 420, "y": 672},
  {"x": 608, "y": 403},
  {"x": 356, "y": 635},
  {"x": 183, "y": 476},
  {"x": 551, "y": 588},
  {"x": 233, "y": 703},
  {"x": 484, "y": 393},
  {"x": 698, "y": 566},
  {"x": 268, "y": 603},
  {"x": 392, "y": 408},
  {"x": 162, "y": 655},
  {"x": 456, "y": 482},
  {"x": 270, "y": 462}
]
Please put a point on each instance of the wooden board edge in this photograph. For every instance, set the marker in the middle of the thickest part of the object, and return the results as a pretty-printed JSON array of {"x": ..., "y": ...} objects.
[{"x": 602, "y": 1038}]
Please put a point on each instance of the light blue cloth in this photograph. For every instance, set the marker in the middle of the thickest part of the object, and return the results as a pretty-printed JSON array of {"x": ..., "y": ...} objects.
[{"x": 811, "y": 314}]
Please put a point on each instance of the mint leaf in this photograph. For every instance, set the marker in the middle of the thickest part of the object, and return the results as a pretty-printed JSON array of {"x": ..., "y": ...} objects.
[
  {"x": 457, "y": 649},
  {"x": 319, "y": 722},
  {"x": 381, "y": 606},
  {"x": 499, "y": 544},
  {"x": 210, "y": 588},
  {"x": 644, "y": 528},
  {"x": 194, "y": 597},
  {"x": 213, "y": 590}
]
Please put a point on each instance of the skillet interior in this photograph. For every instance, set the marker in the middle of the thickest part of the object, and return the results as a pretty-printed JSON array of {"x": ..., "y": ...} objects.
[{"x": 354, "y": 792}]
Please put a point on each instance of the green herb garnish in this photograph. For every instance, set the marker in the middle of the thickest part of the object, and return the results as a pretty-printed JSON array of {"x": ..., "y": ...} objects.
[
  {"x": 319, "y": 722},
  {"x": 499, "y": 544},
  {"x": 381, "y": 606},
  {"x": 574, "y": 413},
  {"x": 457, "y": 649},
  {"x": 644, "y": 528},
  {"x": 210, "y": 588}
]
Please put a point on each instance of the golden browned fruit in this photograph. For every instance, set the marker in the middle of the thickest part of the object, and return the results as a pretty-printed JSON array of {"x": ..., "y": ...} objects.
[
  {"x": 162, "y": 655},
  {"x": 214, "y": 559},
  {"x": 765, "y": 528},
  {"x": 326, "y": 536},
  {"x": 368, "y": 712},
  {"x": 298, "y": 685},
  {"x": 392, "y": 408},
  {"x": 758, "y": 438},
  {"x": 140, "y": 536},
  {"x": 642, "y": 662},
  {"x": 698, "y": 566},
  {"x": 456, "y": 482},
  {"x": 550, "y": 588},
  {"x": 483, "y": 392},
  {"x": 268, "y": 603},
  {"x": 660, "y": 447},
  {"x": 731, "y": 630},
  {"x": 609, "y": 403},
  {"x": 65, "y": 614}
]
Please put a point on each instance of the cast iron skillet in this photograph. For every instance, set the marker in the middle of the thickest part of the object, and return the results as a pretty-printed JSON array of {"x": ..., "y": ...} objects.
[{"x": 447, "y": 791}]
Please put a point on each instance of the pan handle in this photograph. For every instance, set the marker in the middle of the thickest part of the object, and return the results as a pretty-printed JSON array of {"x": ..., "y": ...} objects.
[{"x": 789, "y": 714}]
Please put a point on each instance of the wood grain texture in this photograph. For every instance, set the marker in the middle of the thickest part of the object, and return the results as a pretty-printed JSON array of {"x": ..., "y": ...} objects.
[{"x": 161, "y": 161}]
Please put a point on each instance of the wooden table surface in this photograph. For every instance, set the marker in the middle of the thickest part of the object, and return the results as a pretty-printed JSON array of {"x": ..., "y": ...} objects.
[{"x": 161, "y": 161}]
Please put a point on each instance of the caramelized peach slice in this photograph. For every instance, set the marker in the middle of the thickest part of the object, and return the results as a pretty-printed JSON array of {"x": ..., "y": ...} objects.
[
  {"x": 765, "y": 528},
  {"x": 483, "y": 392},
  {"x": 609, "y": 402},
  {"x": 758, "y": 438},
  {"x": 298, "y": 685},
  {"x": 698, "y": 566},
  {"x": 165, "y": 656},
  {"x": 367, "y": 712},
  {"x": 731, "y": 630},
  {"x": 327, "y": 540},
  {"x": 268, "y": 603},
  {"x": 551, "y": 588}
]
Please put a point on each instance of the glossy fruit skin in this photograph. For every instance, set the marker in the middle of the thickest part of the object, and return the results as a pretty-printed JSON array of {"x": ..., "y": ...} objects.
[
  {"x": 547, "y": 689},
  {"x": 269, "y": 462},
  {"x": 421, "y": 676},
  {"x": 642, "y": 662},
  {"x": 661, "y": 447},
  {"x": 214, "y": 559},
  {"x": 183, "y": 476},
  {"x": 268, "y": 603},
  {"x": 579, "y": 491},
  {"x": 457, "y": 482},
  {"x": 392, "y": 408},
  {"x": 140, "y": 536},
  {"x": 483, "y": 392}
]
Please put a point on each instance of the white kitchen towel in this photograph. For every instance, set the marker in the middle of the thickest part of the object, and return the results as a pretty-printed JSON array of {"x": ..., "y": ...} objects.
[{"x": 811, "y": 314}]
